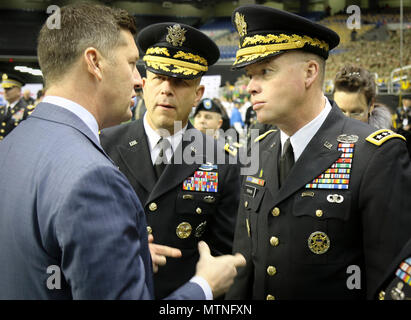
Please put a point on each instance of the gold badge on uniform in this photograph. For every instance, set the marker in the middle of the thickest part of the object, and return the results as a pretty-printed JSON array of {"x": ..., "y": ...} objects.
[
  {"x": 318, "y": 242},
  {"x": 176, "y": 35},
  {"x": 183, "y": 230}
]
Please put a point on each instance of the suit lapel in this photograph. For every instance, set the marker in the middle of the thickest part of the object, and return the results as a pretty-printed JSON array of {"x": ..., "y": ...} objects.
[
  {"x": 316, "y": 157},
  {"x": 138, "y": 158}
]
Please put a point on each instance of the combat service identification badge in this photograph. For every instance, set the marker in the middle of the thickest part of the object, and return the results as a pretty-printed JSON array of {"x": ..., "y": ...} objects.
[
  {"x": 318, "y": 242},
  {"x": 183, "y": 230}
]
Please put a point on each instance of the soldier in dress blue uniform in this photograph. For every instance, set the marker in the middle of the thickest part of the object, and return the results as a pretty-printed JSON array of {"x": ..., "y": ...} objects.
[
  {"x": 184, "y": 202},
  {"x": 327, "y": 211},
  {"x": 16, "y": 109}
]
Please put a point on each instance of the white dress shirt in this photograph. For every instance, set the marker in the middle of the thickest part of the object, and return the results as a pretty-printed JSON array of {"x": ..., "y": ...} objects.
[
  {"x": 78, "y": 110},
  {"x": 10, "y": 106},
  {"x": 303, "y": 136},
  {"x": 153, "y": 137}
]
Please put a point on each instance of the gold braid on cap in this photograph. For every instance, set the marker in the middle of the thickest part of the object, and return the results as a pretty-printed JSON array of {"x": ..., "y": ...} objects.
[
  {"x": 190, "y": 56},
  {"x": 183, "y": 67},
  {"x": 162, "y": 62},
  {"x": 262, "y": 46},
  {"x": 158, "y": 50}
]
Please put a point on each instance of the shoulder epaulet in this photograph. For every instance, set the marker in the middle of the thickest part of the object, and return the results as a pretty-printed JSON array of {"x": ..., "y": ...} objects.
[
  {"x": 230, "y": 149},
  {"x": 261, "y": 137},
  {"x": 380, "y": 136}
]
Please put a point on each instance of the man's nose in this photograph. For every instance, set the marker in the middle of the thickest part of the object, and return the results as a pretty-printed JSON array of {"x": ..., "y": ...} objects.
[{"x": 138, "y": 82}]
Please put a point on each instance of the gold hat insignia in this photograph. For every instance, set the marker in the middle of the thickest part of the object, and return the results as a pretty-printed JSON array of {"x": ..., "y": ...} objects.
[
  {"x": 176, "y": 35},
  {"x": 4, "y": 77},
  {"x": 241, "y": 24}
]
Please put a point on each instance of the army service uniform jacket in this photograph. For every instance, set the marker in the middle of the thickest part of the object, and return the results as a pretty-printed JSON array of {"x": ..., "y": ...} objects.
[
  {"x": 311, "y": 240},
  {"x": 177, "y": 216},
  {"x": 8, "y": 121},
  {"x": 396, "y": 284}
]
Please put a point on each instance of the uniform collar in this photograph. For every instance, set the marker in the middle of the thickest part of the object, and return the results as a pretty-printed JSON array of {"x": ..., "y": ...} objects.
[
  {"x": 12, "y": 105},
  {"x": 303, "y": 136}
]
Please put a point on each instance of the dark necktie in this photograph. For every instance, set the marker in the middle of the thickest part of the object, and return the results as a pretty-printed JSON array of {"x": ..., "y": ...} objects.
[
  {"x": 8, "y": 110},
  {"x": 286, "y": 161},
  {"x": 161, "y": 161}
]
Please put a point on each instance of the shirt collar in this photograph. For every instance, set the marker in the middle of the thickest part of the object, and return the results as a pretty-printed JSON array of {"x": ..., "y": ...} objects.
[
  {"x": 11, "y": 105},
  {"x": 303, "y": 136},
  {"x": 153, "y": 137},
  {"x": 77, "y": 109}
]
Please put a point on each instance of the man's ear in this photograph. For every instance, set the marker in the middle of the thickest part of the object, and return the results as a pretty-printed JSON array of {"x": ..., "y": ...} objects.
[
  {"x": 312, "y": 72},
  {"x": 220, "y": 123},
  {"x": 199, "y": 94},
  {"x": 92, "y": 59}
]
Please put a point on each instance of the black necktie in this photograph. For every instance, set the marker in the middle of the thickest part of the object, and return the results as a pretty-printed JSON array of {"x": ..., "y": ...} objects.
[
  {"x": 8, "y": 110},
  {"x": 161, "y": 161},
  {"x": 286, "y": 161}
]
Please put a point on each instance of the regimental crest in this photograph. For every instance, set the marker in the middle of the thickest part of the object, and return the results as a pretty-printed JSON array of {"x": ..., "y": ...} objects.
[
  {"x": 176, "y": 35},
  {"x": 240, "y": 24},
  {"x": 4, "y": 77}
]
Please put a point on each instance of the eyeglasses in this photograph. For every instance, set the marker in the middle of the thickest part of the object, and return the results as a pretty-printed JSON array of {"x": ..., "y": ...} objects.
[{"x": 355, "y": 114}]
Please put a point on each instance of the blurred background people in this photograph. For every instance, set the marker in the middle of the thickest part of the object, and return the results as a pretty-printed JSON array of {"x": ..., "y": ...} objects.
[
  {"x": 403, "y": 119},
  {"x": 40, "y": 96},
  {"x": 236, "y": 120},
  {"x": 355, "y": 94},
  {"x": 27, "y": 97},
  {"x": 16, "y": 109},
  {"x": 208, "y": 117}
]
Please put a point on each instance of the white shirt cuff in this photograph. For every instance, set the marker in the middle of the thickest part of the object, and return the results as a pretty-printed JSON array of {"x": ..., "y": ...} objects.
[{"x": 204, "y": 286}]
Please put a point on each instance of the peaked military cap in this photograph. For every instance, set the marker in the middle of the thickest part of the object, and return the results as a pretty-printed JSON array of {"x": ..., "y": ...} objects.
[
  {"x": 11, "y": 80},
  {"x": 177, "y": 50},
  {"x": 406, "y": 96},
  {"x": 207, "y": 105},
  {"x": 266, "y": 32}
]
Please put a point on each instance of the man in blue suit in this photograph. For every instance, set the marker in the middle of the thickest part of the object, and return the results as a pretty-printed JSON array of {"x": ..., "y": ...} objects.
[{"x": 71, "y": 226}]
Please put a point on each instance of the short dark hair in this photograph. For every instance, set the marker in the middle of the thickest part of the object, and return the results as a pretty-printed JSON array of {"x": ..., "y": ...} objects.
[
  {"x": 81, "y": 26},
  {"x": 353, "y": 78}
]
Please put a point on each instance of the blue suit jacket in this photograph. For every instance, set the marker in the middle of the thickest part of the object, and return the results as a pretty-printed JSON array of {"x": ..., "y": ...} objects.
[{"x": 63, "y": 203}]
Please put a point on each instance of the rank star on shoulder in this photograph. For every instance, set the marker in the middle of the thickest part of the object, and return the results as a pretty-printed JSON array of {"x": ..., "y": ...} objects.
[{"x": 187, "y": 311}]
